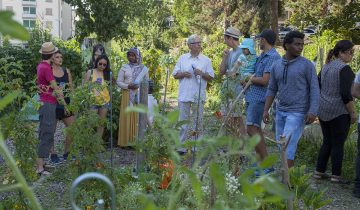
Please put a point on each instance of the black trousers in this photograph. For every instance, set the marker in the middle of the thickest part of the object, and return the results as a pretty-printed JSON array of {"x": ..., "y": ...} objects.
[
  {"x": 357, "y": 167},
  {"x": 335, "y": 133}
]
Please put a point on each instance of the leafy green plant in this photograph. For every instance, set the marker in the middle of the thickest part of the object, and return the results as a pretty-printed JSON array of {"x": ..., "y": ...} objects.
[{"x": 311, "y": 198}]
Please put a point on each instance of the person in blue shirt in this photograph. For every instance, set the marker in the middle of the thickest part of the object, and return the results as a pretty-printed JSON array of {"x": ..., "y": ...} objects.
[
  {"x": 255, "y": 96},
  {"x": 295, "y": 84}
]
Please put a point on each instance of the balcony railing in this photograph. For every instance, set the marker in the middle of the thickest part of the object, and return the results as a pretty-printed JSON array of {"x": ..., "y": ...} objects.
[
  {"x": 28, "y": 3},
  {"x": 29, "y": 16}
]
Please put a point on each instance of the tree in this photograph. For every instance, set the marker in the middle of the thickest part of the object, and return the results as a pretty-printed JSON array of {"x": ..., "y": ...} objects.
[{"x": 104, "y": 18}]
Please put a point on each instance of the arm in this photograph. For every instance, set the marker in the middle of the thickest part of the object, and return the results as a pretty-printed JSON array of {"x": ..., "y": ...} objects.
[
  {"x": 58, "y": 92},
  {"x": 208, "y": 75},
  {"x": 121, "y": 80},
  {"x": 268, "y": 103},
  {"x": 346, "y": 80},
  {"x": 178, "y": 74},
  {"x": 314, "y": 94},
  {"x": 270, "y": 96},
  {"x": 355, "y": 90},
  {"x": 222, "y": 66},
  {"x": 71, "y": 84},
  {"x": 87, "y": 76},
  {"x": 263, "y": 81}
]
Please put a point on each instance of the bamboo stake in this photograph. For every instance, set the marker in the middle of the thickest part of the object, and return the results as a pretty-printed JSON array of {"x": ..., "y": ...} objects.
[{"x": 285, "y": 168}]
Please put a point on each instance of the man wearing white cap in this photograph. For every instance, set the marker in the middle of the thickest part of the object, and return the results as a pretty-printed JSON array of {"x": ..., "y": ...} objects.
[
  {"x": 231, "y": 86},
  {"x": 47, "y": 112},
  {"x": 193, "y": 70}
]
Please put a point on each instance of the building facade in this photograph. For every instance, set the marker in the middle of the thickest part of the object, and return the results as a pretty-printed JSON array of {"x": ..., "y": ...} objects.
[{"x": 55, "y": 15}]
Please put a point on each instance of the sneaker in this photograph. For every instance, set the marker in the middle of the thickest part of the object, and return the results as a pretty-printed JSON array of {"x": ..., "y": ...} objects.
[
  {"x": 54, "y": 159},
  {"x": 264, "y": 172}
]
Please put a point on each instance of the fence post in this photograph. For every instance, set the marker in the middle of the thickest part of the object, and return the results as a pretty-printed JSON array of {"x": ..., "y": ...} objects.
[
  {"x": 144, "y": 89},
  {"x": 285, "y": 168}
]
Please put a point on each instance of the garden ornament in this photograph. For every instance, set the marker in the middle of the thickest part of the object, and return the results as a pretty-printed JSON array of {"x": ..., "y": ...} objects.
[{"x": 100, "y": 202}]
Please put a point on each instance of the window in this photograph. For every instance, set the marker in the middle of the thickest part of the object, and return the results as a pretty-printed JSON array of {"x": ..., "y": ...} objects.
[
  {"x": 9, "y": 8},
  {"x": 48, "y": 11},
  {"x": 49, "y": 25},
  {"x": 30, "y": 24},
  {"x": 49, "y": 1},
  {"x": 29, "y": 10}
]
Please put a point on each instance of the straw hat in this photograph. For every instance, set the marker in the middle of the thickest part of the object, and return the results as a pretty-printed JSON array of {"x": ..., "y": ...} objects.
[
  {"x": 233, "y": 32},
  {"x": 48, "y": 48}
]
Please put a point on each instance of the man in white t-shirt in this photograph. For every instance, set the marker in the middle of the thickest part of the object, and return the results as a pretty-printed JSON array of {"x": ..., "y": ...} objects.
[
  {"x": 356, "y": 93},
  {"x": 193, "y": 69}
]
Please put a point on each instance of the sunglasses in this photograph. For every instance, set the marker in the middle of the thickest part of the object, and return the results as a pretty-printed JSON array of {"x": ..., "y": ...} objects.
[
  {"x": 102, "y": 64},
  {"x": 194, "y": 43}
]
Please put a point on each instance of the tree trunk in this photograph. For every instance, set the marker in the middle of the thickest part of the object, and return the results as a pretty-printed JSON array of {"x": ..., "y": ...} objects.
[
  {"x": 226, "y": 14},
  {"x": 274, "y": 19}
]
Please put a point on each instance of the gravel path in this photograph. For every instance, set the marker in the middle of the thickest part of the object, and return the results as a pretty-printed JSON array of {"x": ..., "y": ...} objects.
[{"x": 57, "y": 189}]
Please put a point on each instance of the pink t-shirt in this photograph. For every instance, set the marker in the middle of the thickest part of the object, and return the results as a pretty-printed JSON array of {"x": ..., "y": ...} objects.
[{"x": 44, "y": 76}]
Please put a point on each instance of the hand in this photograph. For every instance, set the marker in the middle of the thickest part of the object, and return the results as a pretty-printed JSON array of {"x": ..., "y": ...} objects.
[
  {"x": 309, "y": 118},
  {"x": 266, "y": 117},
  {"x": 243, "y": 82},
  {"x": 353, "y": 118},
  {"x": 186, "y": 74},
  {"x": 226, "y": 53},
  {"x": 133, "y": 86},
  {"x": 198, "y": 72}
]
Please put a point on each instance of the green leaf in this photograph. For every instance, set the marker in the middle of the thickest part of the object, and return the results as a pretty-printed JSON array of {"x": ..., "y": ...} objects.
[
  {"x": 273, "y": 186},
  {"x": 173, "y": 116},
  {"x": 8, "y": 99},
  {"x": 218, "y": 177},
  {"x": 139, "y": 109},
  {"x": 8, "y": 26},
  {"x": 269, "y": 161}
]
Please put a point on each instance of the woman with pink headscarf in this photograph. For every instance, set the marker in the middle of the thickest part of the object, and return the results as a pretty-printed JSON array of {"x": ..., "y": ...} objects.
[{"x": 131, "y": 76}]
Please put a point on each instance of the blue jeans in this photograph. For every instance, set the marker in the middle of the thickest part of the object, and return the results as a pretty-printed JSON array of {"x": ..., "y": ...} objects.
[
  {"x": 290, "y": 123},
  {"x": 254, "y": 113}
]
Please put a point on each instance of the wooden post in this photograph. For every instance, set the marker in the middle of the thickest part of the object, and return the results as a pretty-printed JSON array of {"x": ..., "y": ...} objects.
[
  {"x": 285, "y": 168},
  {"x": 143, "y": 91}
]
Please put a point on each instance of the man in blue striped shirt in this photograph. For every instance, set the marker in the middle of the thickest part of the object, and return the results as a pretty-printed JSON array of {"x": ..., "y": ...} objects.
[
  {"x": 294, "y": 82},
  {"x": 255, "y": 97}
]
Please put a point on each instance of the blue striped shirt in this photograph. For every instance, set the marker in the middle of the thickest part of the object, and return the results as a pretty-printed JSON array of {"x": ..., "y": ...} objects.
[
  {"x": 257, "y": 93},
  {"x": 295, "y": 85}
]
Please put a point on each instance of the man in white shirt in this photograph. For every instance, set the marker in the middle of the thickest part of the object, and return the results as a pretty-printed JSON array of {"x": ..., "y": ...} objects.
[{"x": 193, "y": 69}]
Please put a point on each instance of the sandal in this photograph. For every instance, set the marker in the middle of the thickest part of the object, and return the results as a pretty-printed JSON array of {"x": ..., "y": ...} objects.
[
  {"x": 43, "y": 173},
  {"x": 339, "y": 180},
  {"x": 319, "y": 175}
]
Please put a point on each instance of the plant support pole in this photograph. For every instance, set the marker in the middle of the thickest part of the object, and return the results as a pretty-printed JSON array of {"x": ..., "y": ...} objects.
[
  {"x": 165, "y": 91},
  {"x": 111, "y": 121},
  {"x": 285, "y": 168}
]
